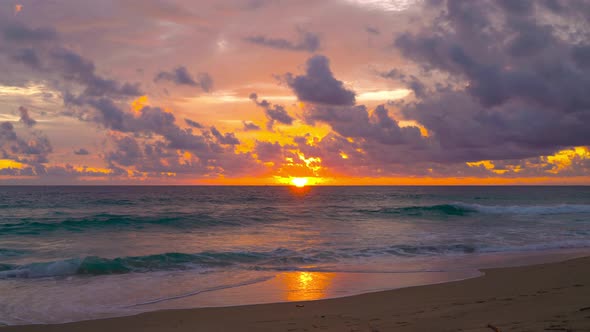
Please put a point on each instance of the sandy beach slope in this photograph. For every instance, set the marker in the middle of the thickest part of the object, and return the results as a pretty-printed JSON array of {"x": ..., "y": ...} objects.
[{"x": 547, "y": 297}]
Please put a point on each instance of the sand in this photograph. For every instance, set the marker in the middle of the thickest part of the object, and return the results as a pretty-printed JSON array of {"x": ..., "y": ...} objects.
[{"x": 546, "y": 297}]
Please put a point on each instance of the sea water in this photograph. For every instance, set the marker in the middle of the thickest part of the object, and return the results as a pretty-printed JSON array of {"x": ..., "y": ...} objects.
[{"x": 75, "y": 253}]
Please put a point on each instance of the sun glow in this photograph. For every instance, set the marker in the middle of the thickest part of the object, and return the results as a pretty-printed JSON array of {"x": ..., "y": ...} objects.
[
  {"x": 8, "y": 164},
  {"x": 306, "y": 286},
  {"x": 299, "y": 182},
  {"x": 138, "y": 104}
]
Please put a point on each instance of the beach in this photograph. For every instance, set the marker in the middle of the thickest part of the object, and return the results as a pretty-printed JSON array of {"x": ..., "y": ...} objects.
[{"x": 544, "y": 297}]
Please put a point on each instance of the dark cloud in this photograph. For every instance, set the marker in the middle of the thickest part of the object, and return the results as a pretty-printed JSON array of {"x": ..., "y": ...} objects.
[
  {"x": 274, "y": 113},
  {"x": 581, "y": 56},
  {"x": 27, "y": 56},
  {"x": 267, "y": 151},
  {"x": 7, "y": 133},
  {"x": 501, "y": 80},
  {"x": 372, "y": 30},
  {"x": 250, "y": 126},
  {"x": 152, "y": 141},
  {"x": 307, "y": 41},
  {"x": 520, "y": 82},
  {"x": 358, "y": 122},
  {"x": 520, "y": 7},
  {"x": 156, "y": 159},
  {"x": 225, "y": 139},
  {"x": 252, "y": 4},
  {"x": 410, "y": 81},
  {"x": 318, "y": 85},
  {"x": 81, "y": 152},
  {"x": 23, "y": 34},
  {"x": 31, "y": 150},
  {"x": 127, "y": 153},
  {"x": 41, "y": 50},
  {"x": 25, "y": 117},
  {"x": 181, "y": 76},
  {"x": 154, "y": 144},
  {"x": 193, "y": 124},
  {"x": 73, "y": 67}
]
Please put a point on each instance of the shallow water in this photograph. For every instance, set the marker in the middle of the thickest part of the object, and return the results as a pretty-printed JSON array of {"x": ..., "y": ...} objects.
[{"x": 71, "y": 253}]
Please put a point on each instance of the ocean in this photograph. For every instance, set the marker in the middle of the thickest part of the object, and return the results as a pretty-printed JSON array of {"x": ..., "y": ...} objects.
[{"x": 75, "y": 253}]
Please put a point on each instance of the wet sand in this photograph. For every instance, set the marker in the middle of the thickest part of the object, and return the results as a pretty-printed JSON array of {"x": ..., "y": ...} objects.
[{"x": 546, "y": 297}]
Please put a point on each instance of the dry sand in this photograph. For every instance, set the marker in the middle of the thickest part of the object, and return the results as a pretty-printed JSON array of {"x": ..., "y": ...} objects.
[{"x": 547, "y": 297}]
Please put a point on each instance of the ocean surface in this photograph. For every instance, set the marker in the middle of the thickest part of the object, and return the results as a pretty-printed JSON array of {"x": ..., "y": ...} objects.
[{"x": 74, "y": 253}]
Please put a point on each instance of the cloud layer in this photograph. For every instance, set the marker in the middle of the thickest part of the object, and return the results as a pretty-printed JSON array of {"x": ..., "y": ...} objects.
[{"x": 162, "y": 91}]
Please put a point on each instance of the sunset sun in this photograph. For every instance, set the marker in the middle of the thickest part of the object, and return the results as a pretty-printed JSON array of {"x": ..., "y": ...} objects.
[{"x": 299, "y": 182}]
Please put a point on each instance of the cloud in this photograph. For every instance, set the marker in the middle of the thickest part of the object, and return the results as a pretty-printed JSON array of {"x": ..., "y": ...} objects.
[
  {"x": 268, "y": 151},
  {"x": 318, "y": 85},
  {"x": 181, "y": 76},
  {"x": 25, "y": 117},
  {"x": 22, "y": 34},
  {"x": 372, "y": 30},
  {"x": 27, "y": 56},
  {"x": 74, "y": 67},
  {"x": 519, "y": 82},
  {"x": 155, "y": 158},
  {"x": 127, "y": 153},
  {"x": 81, "y": 152},
  {"x": 307, "y": 41},
  {"x": 501, "y": 85},
  {"x": 155, "y": 145},
  {"x": 581, "y": 55},
  {"x": 357, "y": 122},
  {"x": 410, "y": 81},
  {"x": 225, "y": 139},
  {"x": 31, "y": 150},
  {"x": 193, "y": 124},
  {"x": 7, "y": 132},
  {"x": 274, "y": 113},
  {"x": 42, "y": 50},
  {"x": 250, "y": 126}
]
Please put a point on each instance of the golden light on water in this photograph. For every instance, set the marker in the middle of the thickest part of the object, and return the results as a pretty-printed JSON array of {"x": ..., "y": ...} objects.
[
  {"x": 306, "y": 286},
  {"x": 299, "y": 182}
]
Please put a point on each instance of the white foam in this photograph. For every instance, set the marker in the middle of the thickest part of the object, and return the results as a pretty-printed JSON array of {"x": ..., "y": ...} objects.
[{"x": 40, "y": 270}]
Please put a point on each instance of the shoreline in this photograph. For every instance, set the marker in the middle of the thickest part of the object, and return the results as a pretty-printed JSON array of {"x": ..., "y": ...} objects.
[{"x": 522, "y": 298}]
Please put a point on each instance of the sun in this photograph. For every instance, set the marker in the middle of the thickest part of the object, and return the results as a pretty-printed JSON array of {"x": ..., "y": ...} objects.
[{"x": 299, "y": 182}]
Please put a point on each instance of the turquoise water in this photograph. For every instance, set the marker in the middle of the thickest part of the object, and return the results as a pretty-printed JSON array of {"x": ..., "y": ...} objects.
[{"x": 56, "y": 242}]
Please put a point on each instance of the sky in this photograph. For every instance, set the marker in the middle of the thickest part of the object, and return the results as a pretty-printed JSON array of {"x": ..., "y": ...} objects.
[{"x": 261, "y": 92}]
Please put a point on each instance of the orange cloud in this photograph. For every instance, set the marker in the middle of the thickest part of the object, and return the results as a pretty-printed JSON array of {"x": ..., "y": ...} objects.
[
  {"x": 487, "y": 164},
  {"x": 7, "y": 163},
  {"x": 138, "y": 104},
  {"x": 563, "y": 159}
]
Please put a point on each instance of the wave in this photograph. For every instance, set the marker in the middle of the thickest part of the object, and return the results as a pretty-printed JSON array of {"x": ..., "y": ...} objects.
[
  {"x": 7, "y": 252},
  {"x": 94, "y": 266},
  {"x": 528, "y": 209},
  {"x": 103, "y": 221},
  {"x": 280, "y": 259},
  {"x": 277, "y": 260},
  {"x": 421, "y": 210},
  {"x": 463, "y": 209}
]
